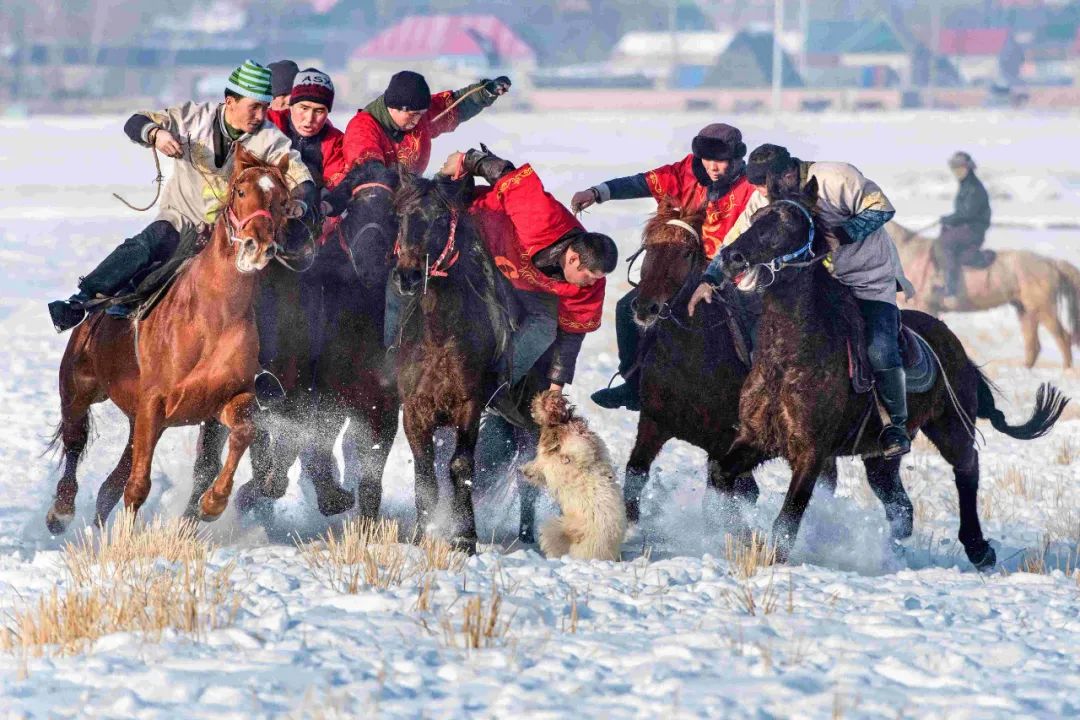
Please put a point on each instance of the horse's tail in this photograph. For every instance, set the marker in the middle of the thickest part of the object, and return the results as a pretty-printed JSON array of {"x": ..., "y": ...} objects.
[
  {"x": 56, "y": 446},
  {"x": 1070, "y": 291},
  {"x": 1049, "y": 404}
]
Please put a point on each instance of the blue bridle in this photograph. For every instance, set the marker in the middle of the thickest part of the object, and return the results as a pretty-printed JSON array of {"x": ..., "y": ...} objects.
[{"x": 779, "y": 263}]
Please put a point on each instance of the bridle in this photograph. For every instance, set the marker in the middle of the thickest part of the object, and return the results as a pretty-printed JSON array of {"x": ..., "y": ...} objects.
[
  {"x": 447, "y": 258},
  {"x": 804, "y": 257},
  {"x": 236, "y": 224},
  {"x": 666, "y": 312}
]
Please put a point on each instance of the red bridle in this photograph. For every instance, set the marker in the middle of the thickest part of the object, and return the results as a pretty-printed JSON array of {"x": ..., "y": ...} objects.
[
  {"x": 239, "y": 224},
  {"x": 448, "y": 256},
  {"x": 364, "y": 186}
]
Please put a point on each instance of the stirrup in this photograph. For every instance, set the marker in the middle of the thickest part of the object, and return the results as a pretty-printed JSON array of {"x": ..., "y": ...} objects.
[{"x": 894, "y": 441}]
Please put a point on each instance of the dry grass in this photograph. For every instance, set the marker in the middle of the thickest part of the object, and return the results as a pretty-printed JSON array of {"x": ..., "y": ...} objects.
[
  {"x": 1047, "y": 558},
  {"x": 755, "y": 601},
  {"x": 133, "y": 578},
  {"x": 367, "y": 553},
  {"x": 1017, "y": 482},
  {"x": 480, "y": 624},
  {"x": 747, "y": 557},
  {"x": 1067, "y": 452}
]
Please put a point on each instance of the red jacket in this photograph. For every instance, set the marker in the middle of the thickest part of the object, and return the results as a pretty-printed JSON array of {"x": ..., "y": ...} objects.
[
  {"x": 517, "y": 218},
  {"x": 365, "y": 138},
  {"x": 677, "y": 181},
  {"x": 333, "y": 156}
]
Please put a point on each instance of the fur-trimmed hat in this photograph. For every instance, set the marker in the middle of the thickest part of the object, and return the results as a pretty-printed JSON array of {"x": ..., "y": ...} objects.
[
  {"x": 315, "y": 86},
  {"x": 719, "y": 141}
]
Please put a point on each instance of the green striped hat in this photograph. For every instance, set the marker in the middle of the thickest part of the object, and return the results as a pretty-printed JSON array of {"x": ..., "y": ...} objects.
[{"x": 251, "y": 80}]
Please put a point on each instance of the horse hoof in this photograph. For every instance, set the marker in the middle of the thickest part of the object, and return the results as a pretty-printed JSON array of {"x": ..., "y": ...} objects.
[
  {"x": 984, "y": 559},
  {"x": 466, "y": 545},
  {"x": 526, "y": 535},
  {"x": 211, "y": 509},
  {"x": 333, "y": 500},
  {"x": 247, "y": 497},
  {"x": 57, "y": 522}
]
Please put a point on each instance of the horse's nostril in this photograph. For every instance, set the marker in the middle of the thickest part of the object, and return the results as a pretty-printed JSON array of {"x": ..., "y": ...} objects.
[
  {"x": 737, "y": 258},
  {"x": 654, "y": 309}
]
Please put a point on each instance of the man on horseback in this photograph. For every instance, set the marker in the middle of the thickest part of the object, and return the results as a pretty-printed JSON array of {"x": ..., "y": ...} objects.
[
  {"x": 964, "y": 231},
  {"x": 282, "y": 75},
  {"x": 712, "y": 176},
  {"x": 855, "y": 211},
  {"x": 305, "y": 120},
  {"x": 201, "y": 137}
]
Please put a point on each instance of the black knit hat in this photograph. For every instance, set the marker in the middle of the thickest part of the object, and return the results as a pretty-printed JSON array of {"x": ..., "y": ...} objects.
[
  {"x": 719, "y": 142},
  {"x": 767, "y": 159},
  {"x": 282, "y": 74},
  {"x": 408, "y": 91}
]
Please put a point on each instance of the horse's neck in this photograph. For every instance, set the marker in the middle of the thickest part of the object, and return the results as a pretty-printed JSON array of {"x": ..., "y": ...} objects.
[
  {"x": 212, "y": 281},
  {"x": 789, "y": 309}
]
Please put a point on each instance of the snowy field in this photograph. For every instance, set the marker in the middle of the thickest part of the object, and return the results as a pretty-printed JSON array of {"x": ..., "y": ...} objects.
[{"x": 849, "y": 629}]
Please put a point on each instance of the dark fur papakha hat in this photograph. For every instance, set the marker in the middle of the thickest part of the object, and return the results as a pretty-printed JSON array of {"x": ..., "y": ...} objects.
[{"x": 719, "y": 141}]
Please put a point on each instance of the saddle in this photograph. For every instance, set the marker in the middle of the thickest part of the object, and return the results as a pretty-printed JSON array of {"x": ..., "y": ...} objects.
[
  {"x": 917, "y": 355},
  {"x": 977, "y": 258},
  {"x": 147, "y": 291}
]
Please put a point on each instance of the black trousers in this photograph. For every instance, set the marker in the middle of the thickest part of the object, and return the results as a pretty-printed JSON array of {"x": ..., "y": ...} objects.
[
  {"x": 131, "y": 259},
  {"x": 954, "y": 243}
]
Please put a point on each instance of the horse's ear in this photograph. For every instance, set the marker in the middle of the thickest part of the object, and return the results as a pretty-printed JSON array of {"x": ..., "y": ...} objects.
[
  {"x": 243, "y": 159},
  {"x": 810, "y": 192},
  {"x": 283, "y": 164}
]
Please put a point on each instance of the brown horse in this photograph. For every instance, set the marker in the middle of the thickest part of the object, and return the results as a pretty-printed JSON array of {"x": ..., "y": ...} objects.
[
  {"x": 692, "y": 375},
  {"x": 448, "y": 342},
  {"x": 1031, "y": 283},
  {"x": 798, "y": 402},
  {"x": 192, "y": 359}
]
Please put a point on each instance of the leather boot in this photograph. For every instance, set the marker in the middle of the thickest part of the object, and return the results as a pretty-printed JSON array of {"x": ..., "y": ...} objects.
[
  {"x": 891, "y": 386},
  {"x": 484, "y": 163},
  {"x": 626, "y": 395},
  {"x": 66, "y": 314}
]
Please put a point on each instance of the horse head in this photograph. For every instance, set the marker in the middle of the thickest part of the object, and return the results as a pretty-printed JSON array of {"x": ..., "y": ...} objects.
[
  {"x": 674, "y": 256},
  {"x": 372, "y": 224},
  {"x": 254, "y": 214},
  {"x": 785, "y": 233},
  {"x": 429, "y": 213}
]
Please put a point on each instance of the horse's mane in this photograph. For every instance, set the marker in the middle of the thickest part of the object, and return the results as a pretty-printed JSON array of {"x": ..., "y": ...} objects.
[{"x": 667, "y": 211}]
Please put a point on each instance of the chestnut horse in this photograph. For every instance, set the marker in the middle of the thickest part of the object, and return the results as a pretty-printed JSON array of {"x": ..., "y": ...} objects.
[
  {"x": 1033, "y": 284},
  {"x": 692, "y": 375},
  {"x": 193, "y": 358},
  {"x": 798, "y": 402},
  {"x": 448, "y": 342}
]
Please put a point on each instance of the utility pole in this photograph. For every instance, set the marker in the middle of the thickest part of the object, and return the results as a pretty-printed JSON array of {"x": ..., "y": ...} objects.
[{"x": 777, "y": 56}]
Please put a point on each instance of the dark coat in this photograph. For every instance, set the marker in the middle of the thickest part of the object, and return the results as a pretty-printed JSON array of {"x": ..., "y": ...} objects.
[{"x": 972, "y": 208}]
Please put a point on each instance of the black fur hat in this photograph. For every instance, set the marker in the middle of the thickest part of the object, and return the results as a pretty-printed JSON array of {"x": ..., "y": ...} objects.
[{"x": 719, "y": 142}]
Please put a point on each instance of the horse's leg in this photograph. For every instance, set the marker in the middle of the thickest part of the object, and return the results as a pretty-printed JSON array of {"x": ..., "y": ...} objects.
[
  {"x": 731, "y": 485},
  {"x": 317, "y": 458},
  {"x": 884, "y": 479},
  {"x": 462, "y": 472},
  {"x": 650, "y": 440},
  {"x": 74, "y": 433},
  {"x": 830, "y": 474},
  {"x": 148, "y": 429},
  {"x": 373, "y": 451},
  {"x": 420, "y": 433},
  {"x": 238, "y": 417},
  {"x": 804, "y": 474},
  {"x": 952, "y": 440},
  {"x": 212, "y": 436},
  {"x": 1061, "y": 335},
  {"x": 1029, "y": 329},
  {"x": 113, "y": 488},
  {"x": 526, "y": 443}
]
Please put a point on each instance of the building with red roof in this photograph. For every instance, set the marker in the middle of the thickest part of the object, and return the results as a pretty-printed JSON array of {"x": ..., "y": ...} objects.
[
  {"x": 976, "y": 52},
  {"x": 482, "y": 40}
]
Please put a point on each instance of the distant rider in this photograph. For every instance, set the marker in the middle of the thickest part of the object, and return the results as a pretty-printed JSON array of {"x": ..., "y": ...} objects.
[{"x": 964, "y": 231}]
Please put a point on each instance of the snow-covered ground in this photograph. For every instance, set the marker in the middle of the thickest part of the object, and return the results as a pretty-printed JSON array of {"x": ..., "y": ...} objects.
[{"x": 855, "y": 630}]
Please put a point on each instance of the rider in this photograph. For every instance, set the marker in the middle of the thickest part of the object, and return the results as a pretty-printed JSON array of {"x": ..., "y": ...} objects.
[
  {"x": 306, "y": 122},
  {"x": 542, "y": 250},
  {"x": 854, "y": 211},
  {"x": 201, "y": 138},
  {"x": 711, "y": 176},
  {"x": 964, "y": 231},
  {"x": 282, "y": 75}
]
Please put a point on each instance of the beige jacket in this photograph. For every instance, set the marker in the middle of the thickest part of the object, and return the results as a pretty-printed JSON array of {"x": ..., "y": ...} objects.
[
  {"x": 196, "y": 190},
  {"x": 871, "y": 266}
]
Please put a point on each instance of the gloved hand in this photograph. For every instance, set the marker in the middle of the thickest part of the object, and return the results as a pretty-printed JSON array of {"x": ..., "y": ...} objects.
[
  {"x": 498, "y": 86},
  {"x": 837, "y": 236}
]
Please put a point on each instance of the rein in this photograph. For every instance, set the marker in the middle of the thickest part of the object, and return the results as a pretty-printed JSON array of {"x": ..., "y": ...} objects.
[
  {"x": 447, "y": 258},
  {"x": 158, "y": 180}
]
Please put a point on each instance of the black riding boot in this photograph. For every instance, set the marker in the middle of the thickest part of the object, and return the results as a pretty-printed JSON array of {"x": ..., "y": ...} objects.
[
  {"x": 483, "y": 163},
  {"x": 892, "y": 391},
  {"x": 628, "y": 337}
]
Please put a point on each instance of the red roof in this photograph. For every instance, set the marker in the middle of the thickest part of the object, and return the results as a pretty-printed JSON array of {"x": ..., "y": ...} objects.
[
  {"x": 976, "y": 41},
  {"x": 419, "y": 37}
]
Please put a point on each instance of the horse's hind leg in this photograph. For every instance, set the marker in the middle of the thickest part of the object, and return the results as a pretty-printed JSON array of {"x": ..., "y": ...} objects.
[
  {"x": 526, "y": 442},
  {"x": 1029, "y": 329},
  {"x": 1061, "y": 335},
  {"x": 884, "y": 479},
  {"x": 952, "y": 440},
  {"x": 74, "y": 434},
  {"x": 212, "y": 437},
  {"x": 650, "y": 439},
  {"x": 238, "y": 416},
  {"x": 113, "y": 488}
]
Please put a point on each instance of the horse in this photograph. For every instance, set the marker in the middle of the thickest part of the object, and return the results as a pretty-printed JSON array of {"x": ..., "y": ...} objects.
[
  {"x": 448, "y": 342},
  {"x": 692, "y": 374},
  {"x": 1031, "y": 283},
  {"x": 798, "y": 402},
  {"x": 193, "y": 358}
]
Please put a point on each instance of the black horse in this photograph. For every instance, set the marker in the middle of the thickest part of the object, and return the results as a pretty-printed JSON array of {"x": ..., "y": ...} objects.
[{"x": 798, "y": 402}]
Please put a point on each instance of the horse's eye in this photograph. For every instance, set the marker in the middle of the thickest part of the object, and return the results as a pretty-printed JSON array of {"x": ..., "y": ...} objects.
[
  {"x": 688, "y": 254},
  {"x": 239, "y": 193}
]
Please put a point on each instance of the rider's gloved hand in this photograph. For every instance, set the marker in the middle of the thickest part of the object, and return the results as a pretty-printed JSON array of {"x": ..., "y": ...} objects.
[
  {"x": 498, "y": 86},
  {"x": 837, "y": 236}
]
